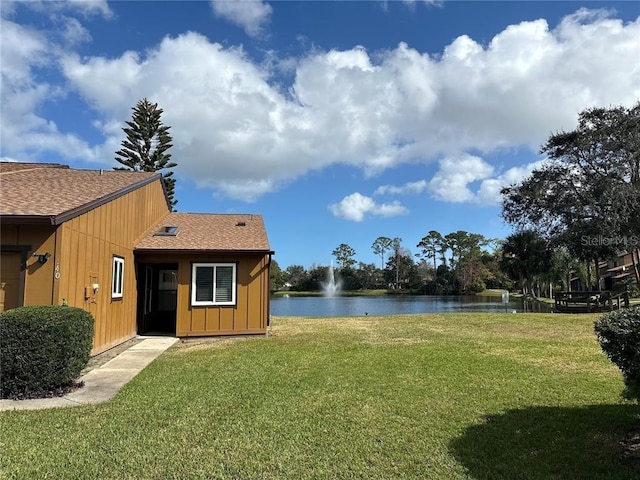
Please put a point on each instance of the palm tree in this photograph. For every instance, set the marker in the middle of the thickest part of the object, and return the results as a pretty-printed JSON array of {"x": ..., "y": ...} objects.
[{"x": 525, "y": 257}]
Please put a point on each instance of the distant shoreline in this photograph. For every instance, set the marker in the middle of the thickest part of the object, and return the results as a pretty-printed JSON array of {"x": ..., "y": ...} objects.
[{"x": 378, "y": 292}]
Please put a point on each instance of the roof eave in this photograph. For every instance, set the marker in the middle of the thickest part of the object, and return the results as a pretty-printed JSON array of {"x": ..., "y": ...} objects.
[
  {"x": 28, "y": 219},
  {"x": 197, "y": 250}
]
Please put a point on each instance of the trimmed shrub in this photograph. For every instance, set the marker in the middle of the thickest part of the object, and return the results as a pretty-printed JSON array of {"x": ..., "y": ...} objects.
[
  {"x": 42, "y": 348},
  {"x": 619, "y": 336}
]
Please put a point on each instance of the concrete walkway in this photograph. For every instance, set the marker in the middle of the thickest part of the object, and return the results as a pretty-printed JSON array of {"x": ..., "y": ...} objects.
[{"x": 101, "y": 384}]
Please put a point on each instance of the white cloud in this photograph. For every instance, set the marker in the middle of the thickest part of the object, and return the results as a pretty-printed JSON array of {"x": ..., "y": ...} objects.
[
  {"x": 455, "y": 178},
  {"x": 489, "y": 191},
  {"x": 237, "y": 132},
  {"x": 251, "y": 15},
  {"x": 26, "y": 53},
  {"x": 451, "y": 181},
  {"x": 22, "y": 48},
  {"x": 454, "y": 181},
  {"x": 410, "y": 188},
  {"x": 7, "y": 8},
  {"x": 356, "y": 206},
  {"x": 73, "y": 32},
  {"x": 87, "y": 8},
  {"x": 392, "y": 209},
  {"x": 92, "y": 7},
  {"x": 249, "y": 191},
  {"x": 24, "y": 132},
  {"x": 412, "y": 3}
]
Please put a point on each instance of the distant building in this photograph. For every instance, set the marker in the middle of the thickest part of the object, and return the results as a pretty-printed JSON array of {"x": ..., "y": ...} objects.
[
  {"x": 612, "y": 273},
  {"x": 616, "y": 270}
]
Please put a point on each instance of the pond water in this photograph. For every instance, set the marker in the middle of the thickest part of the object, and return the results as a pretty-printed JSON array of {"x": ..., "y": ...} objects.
[{"x": 396, "y": 304}]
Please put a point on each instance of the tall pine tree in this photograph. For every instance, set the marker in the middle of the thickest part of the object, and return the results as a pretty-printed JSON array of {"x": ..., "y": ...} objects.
[{"x": 146, "y": 145}]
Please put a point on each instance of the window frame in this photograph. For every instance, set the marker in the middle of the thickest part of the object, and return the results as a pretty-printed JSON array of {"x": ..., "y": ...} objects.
[
  {"x": 213, "y": 302},
  {"x": 117, "y": 277}
]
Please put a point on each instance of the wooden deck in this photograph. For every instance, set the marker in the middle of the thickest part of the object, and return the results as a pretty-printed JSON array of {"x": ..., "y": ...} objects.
[{"x": 590, "y": 302}]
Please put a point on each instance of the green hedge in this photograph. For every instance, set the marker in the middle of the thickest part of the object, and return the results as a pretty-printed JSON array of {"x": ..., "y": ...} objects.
[
  {"x": 619, "y": 336},
  {"x": 42, "y": 348}
]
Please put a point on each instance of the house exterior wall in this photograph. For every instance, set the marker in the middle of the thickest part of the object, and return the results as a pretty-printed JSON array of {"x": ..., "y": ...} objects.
[
  {"x": 250, "y": 313},
  {"x": 85, "y": 249},
  {"x": 11, "y": 292},
  {"x": 36, "y": 280},
  {"x": 81, "y": 252},
  {"x": 620, "y": 260}
]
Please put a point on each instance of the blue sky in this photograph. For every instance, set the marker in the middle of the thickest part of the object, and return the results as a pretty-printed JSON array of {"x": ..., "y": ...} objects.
[{"x": 339, "y": 122}]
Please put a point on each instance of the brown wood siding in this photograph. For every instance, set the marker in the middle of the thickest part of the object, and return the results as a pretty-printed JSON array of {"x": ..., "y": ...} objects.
[
  {"x": 10, "y": 279},
  {"x": 247, "y": 316},
  {"x": 87, "y": 246},
  {"x": 38, "y": 278}
]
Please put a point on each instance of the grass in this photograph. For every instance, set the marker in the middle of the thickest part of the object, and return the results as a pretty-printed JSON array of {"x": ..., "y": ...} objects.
[
  {"x": 455, "y": 396},
  {"x": 491, "y": 292}
]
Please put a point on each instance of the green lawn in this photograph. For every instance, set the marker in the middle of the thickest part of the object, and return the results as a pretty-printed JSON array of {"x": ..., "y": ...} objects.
[{"x": 483, "y": 396}]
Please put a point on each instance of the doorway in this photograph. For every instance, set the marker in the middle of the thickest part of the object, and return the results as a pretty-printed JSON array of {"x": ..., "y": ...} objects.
[
  {"x": 11, "y": 280},
  {"x": 158, "y": 298}
]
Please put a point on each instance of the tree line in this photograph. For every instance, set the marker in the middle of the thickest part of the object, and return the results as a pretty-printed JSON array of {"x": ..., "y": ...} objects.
[
  {"x": 455, "y": 263},
  {"x": 580, "y": 208}
]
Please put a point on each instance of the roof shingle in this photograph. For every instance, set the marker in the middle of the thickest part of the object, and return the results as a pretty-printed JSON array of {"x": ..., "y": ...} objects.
[
  {"x": 208, "y": 232},
  {"x": 16, "y": 166},
  {"x": 50, "y": 190}
]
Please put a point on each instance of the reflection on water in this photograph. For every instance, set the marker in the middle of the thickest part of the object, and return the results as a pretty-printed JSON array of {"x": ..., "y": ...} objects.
[{"x": 397, "y": 304}]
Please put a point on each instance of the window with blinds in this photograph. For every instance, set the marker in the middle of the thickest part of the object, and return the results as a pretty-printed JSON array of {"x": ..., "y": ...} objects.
[{"x": 213, "y": 284}]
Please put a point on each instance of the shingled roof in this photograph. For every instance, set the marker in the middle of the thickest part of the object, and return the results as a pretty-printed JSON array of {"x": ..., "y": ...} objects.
[
  {"x": 207, "y": 232},
  {"x": 54, "y": 193},
  {"x": 16, "y": 166}
]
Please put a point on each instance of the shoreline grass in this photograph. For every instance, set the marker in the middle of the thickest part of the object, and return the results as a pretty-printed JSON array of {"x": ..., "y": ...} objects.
[{"x": 439, "y": 396}]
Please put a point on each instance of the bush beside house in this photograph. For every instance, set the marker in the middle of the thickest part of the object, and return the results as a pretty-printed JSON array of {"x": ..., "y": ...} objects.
[
  {"x": 619, "y": 336},
  {"x": 43, "y": 349}
]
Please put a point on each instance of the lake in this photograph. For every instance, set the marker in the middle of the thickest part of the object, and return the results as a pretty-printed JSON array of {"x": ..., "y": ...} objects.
[{"x": 396, "y": 304}]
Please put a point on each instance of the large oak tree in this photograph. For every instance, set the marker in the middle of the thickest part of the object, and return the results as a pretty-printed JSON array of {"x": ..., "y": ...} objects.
[{"x": 587, "y": 196}]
